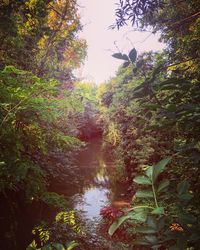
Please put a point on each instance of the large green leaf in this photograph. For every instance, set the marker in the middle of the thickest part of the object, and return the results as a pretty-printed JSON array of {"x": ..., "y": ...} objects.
[
  {"x": 158, "y": 210},
  {"x": 159, "y": 167},
  {"x": 139, "y": 216},
  {"x": 162, "y": 185},
  {"x": 71, "y": 245},
  {"x": 144, "y": 180},
  {"x": 58, "y": 246},
  {"x": 149, "y": 172},
  {"x": 117, "y": 224},
  {"x": 144, "y": 194},
  {"x": 154, "y": 171},
  {"x": 133, "y": 55}
]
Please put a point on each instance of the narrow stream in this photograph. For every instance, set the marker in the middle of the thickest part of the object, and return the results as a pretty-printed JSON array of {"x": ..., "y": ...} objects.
[
  {"x": 96, "y": 190},
  {"x": 88, "y": 186}
]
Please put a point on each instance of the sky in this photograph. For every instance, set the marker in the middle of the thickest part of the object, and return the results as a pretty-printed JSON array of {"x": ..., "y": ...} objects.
[{"x": 102, "y": 42}]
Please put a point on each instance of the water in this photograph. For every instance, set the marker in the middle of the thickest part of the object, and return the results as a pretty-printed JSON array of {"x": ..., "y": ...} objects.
[
  {"x": 94, "y": 167},
  {"x": 96, "y": 190},
  {"x": 88, "y": 187}
]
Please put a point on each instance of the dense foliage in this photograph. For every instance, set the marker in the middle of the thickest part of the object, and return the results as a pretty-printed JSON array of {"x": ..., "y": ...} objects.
[
  {"x": 39, "y": 50},
  {"x": 152, "y": 111},
  {"x": 149, "y": 114},
  {"x": 41, "y": 36}
]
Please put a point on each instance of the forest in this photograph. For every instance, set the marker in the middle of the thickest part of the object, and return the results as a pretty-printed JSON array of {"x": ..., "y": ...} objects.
[{"x": 129, "y": 147}]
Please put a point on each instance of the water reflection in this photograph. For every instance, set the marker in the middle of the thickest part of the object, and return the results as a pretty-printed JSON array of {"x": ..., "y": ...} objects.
[
  {"x": 91, "y": 202},
  {"x": 96, "y": 187}
]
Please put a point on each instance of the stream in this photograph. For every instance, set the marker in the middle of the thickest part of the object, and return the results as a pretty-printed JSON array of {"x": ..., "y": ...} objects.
[
  {"x": 94, "y": 190},
  {"x": 89, "y": 185},
  {"x": 94, "y": 168}
]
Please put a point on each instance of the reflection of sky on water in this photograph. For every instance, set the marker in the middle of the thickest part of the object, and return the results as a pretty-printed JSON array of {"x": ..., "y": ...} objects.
[
  {"x": 92, "y": 201},
  {"x": 96, "y": 189}
]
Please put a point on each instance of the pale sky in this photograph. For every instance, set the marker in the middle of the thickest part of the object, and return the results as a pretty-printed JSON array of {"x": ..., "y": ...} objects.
[{"x": 97, "y": 16}]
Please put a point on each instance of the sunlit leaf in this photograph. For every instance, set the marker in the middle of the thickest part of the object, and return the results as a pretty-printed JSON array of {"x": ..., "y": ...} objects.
[
  {"x": 33, "y": 246},
  {"x": 158, "y": 210},
  {"x": 71, "y": 245}
]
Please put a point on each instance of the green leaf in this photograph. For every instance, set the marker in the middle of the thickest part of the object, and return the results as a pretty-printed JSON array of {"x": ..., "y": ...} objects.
[
  {"x": 158, "y": 210},
  {"x": 185, "y": 197},
  {"x": 121, "y": 56},
  {"x": 71, "y": 245},
  {"x": 139, "y": 216},
  {"x": 58, "y": 246},
  {"x": 33, "y": 246},
  {"x": 183, "y": 191},
  {"x": 149, "y": 172},
  {"x": 133, "y": 55},
  {"x": 183, "y": 187},
  {"x": 144, "y": 194},
  {"x": 145, "y": 230},
  {"x": 162, "y": 185},
  {"x": 47, "y": 247},
  {"x": 117, "y": 224},
  {"x": 159, "y": 168},
  {"x": 142, "y": 180}
]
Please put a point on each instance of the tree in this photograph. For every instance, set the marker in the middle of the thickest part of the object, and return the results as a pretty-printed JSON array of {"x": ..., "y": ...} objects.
[
  {"x": 39, "y": 50},
  {"x": 40, "y": 36}
]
